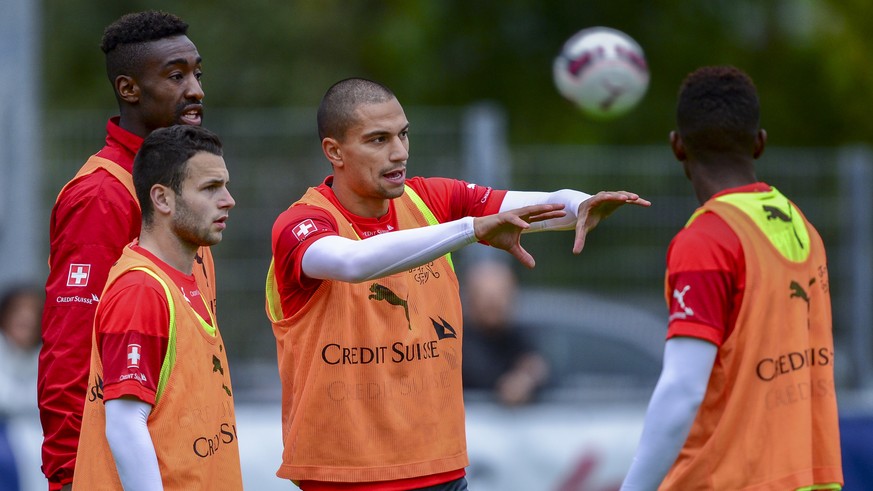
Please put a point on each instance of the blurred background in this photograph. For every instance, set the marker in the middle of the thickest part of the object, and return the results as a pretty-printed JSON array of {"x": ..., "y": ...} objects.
[{"x": 475, "y": 79}]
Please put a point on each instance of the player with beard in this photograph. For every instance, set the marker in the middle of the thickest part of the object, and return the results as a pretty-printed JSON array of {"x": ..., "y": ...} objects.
[
  {"x": 163, "y": 418},
  {"x": 155, "y": 71}
]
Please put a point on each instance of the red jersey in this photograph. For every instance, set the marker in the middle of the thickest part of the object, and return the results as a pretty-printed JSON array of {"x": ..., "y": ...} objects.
[
  {"x": 706, "y": 274},
  {"x": 132, "y": 354},
  {"x": 93, "y": 219}
]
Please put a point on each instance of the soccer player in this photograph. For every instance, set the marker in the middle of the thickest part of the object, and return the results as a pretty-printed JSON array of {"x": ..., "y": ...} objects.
[
  {"x": 365, "y": 302},
  {"x": 746, "y": 396},
  {"x": 160, "y": 415},
  {"x": 155, "y": 74}
]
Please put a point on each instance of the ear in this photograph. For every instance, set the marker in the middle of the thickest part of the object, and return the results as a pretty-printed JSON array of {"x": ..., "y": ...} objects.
[
  {"x": 127, "y": 89},
  {"x": 333, "y": 151},
  {"x": 163, "y": 199},
  {"x": 678, "y": 146},
  {"x": 760, "y": 143}
]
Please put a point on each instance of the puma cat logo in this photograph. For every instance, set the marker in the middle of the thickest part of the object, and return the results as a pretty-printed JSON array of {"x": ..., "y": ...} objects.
[
  {"x": 381, "y": 292},
  {"x": 774, "y": 213}
]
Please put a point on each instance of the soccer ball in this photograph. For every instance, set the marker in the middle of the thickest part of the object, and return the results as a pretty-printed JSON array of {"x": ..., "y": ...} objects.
[{"x": 603, "y": 71}]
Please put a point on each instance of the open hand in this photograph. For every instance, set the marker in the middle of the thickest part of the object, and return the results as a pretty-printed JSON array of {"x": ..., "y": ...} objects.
[
  {"x": 503, "y": 230},
  {"x": 598, "y": 207}
]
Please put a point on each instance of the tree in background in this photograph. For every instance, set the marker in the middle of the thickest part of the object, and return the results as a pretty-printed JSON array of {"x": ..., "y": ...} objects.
[{"x": 809, "y": 57}]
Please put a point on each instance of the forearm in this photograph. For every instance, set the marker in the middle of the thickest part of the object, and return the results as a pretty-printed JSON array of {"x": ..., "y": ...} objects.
[
  {"x": 354, "y": 261},
  {"x": 666, "y": 427},
  {"x": 571, "y": 199},
  {"x": 131, "y": 444},
  {"x": 672, "y": 410}
]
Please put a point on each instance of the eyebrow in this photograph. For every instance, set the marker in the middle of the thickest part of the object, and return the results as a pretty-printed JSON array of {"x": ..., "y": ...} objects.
[
  {"x": 214, "y": 180},
  {"x": 383, "y": 132},
  {"x": 182, "y": 61}
]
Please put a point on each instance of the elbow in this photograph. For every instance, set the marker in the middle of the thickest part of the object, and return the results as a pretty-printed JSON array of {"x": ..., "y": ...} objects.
[
  {"x": 337, "y": 264},
  {"x": 356, "y": 278},
  {"x": 351, "y": 269}
]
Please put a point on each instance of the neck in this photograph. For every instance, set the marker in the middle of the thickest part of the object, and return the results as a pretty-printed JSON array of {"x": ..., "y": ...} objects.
[
  {"x": 358, "y": 205},
  {"x": 714, "y": 177},
  {"x": 169, "y": 249},
  {"x": 132, "y": 125}
]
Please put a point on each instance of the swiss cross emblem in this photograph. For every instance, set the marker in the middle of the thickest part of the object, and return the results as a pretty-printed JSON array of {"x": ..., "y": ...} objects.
[
  {"x": 133, "y": 355},
  {"x": 78, "y": 275},
  {"x": 304, "y": 228}
]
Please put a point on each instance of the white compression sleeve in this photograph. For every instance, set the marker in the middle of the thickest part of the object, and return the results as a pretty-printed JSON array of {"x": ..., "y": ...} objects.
[
  {"x": 131, "y": 444},
  {"x": 354, "y": 261},
  {"x": 672, "y": 409},
  {"x": 571, "y": 199}
]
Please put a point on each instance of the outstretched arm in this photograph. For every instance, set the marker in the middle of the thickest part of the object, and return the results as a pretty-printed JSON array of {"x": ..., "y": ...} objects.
[
  {"x": 672, "y": 409},
  {"x": 584, "y": 211},
  {"x": 598, "y": 207},
  {"x": 570, "y": 198},
  {"x": 337, "y": 258}
]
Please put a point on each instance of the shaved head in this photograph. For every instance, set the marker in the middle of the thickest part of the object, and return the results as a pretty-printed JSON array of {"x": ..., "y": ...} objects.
[{"x": 336, "y": 113}]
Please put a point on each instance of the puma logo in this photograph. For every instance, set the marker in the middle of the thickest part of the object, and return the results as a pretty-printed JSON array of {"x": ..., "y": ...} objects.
[
  {"x": 381, "y": 292},
  {"x": 680, "y": 296},
  {"x": 774, "y": 213},
  {"x": 797, "y": 291}
]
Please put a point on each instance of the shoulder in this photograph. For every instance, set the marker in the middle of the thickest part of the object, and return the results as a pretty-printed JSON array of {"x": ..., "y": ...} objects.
[
  {"x": 297, "y": 215},
  {"x": 100, "y": 185},
  {"x": 708, "y": 242},
  {"x": 451, "y": 199},
  {"x": 132, "y": 283},
  {"x": 437, "y": 185},
  {"x": 133, "y": 295},
  {"x": 297, "y": 228}
]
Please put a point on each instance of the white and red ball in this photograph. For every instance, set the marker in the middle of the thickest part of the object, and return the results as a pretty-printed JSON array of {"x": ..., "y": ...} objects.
[{"x": 603, "y": 71}]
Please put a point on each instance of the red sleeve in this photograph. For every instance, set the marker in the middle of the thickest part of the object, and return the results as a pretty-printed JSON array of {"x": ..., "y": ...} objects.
[
  {"x": 132, "y": 329},
  {"x": 705, "y": 280},
  {"x": 95, "y": 217},
  {"x": 451, "y": 199},
  {"x": 293, "y": 232}
]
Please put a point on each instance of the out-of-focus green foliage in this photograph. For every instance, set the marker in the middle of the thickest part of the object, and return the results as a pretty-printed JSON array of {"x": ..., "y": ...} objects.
[{"x": 810, "y": 58}]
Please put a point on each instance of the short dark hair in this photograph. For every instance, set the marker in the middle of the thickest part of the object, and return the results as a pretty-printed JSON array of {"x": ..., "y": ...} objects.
[
  {"x": 718, "y": 110},
  {"x": 124, "y": 40},
  {"x": 163, "y": 159},
  {"x": 337, "y": 108}
]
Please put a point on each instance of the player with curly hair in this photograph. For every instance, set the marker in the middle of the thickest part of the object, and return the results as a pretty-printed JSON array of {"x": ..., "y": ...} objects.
[
  {"x": 746, "y": 397},
  {"x": 155, "y": 74}
]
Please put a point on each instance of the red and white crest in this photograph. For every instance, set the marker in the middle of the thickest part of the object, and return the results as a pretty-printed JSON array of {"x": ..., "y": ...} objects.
[
  {"x": 78, "y": 275},
  {"x": 133, "y": 355},
  {"x": 304, "y": 228}
]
